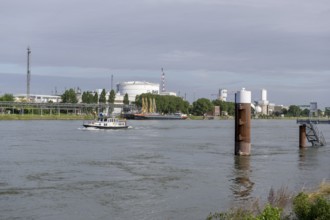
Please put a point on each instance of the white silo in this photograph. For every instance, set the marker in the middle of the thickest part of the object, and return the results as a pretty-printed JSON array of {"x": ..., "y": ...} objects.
[
  {"x": 263, "y": 103},
  {"x": 223, "y": 93},
  {"x": 263, "y": 95},
  {"x": 263, "y": 100}
]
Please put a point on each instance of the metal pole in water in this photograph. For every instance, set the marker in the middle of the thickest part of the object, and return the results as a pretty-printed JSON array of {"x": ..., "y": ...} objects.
[
  {"x": 243, "y": 122},
  {"x": 302, "y": 136}
]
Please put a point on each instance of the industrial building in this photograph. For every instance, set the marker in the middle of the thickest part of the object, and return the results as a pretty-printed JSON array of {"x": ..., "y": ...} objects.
[
  {"x": 38, "y": 98},
  {"x": 264, "y": 107}
]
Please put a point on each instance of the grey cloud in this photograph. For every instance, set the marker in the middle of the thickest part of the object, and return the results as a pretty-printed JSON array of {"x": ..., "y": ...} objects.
[{"x": 251, "y": 42}]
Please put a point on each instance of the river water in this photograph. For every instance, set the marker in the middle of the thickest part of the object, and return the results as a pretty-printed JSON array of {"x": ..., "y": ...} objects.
[{"x": 154, "y": 170}]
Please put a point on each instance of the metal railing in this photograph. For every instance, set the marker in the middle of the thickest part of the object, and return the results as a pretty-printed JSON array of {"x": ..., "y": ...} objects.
[{"x": 82, "y": 107}]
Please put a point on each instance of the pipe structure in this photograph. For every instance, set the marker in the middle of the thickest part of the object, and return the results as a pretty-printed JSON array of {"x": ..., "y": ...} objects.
[
  {"x": 302, "y": 136},
  {"x": 243, "y": 122}
]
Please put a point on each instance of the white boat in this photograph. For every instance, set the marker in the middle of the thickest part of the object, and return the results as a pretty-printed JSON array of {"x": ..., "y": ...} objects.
[{"x": 106, "y": 123}]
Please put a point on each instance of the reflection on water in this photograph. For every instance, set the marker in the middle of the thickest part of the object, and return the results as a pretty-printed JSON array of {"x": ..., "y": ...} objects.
[
  {"x": 242, "y": 185},
  {"x": 308, "y": 157}
]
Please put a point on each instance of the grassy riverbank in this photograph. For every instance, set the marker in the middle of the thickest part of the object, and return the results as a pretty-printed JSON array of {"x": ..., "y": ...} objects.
[{"x": 45, "y": 117}]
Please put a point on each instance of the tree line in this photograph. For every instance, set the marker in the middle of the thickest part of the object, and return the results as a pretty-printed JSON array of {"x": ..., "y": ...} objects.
[
  {"x": 7, "y": 98},
  {"x": 164, "y": 103},
  {"x": 69, "y": 96}
]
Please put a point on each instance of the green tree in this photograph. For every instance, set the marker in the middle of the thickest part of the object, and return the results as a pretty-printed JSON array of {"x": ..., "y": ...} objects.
[
  {"x": 69, "y": 96},
  {"x": 7, "y": 98},
  {"x": 327, "y": 111},
  {"x": 165, "y": 104},
  {"x": 305, "y": 112},
  {"x": 126, "y": 100},
  {"x": 87, "y": 97},
  {"x": 231, "y": 108},
  {"x": 96, "y": 98},
  {"x": 228, "y": 107},
  {"x": 284, "y": 111},
  {"x": 112, "y": 97},
  {"x": 202, "y": 106},
  {"x": 84, "y": 97},
  {"x": 294, "y": 111},
  {"x": 103, "y": 98}
]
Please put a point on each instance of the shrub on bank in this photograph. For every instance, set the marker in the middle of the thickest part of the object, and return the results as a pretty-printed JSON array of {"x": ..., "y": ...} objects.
[
  {"x": 304, "y": 206},
  {"x": 269, "y": 213}
]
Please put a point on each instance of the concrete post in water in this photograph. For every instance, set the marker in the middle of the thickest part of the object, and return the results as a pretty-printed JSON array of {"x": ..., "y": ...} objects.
[
  {"x": 302, "y": 136},
  {"x": 243, "y": 122}
]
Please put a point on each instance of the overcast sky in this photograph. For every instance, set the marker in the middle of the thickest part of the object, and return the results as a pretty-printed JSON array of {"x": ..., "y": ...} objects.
[{"x": 203, "y": 45}]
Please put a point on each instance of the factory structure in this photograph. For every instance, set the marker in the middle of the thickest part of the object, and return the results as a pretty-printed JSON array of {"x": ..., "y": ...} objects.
[
  {"x": 264, "y": 107},
  {"x": 134, "y": 88},
  {"x": 37, "y": 98},
  {"x": 131, "y": 88},
  {"x": 261, "y": 107}
]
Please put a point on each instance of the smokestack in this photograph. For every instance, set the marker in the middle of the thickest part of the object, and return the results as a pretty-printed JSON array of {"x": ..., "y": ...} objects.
[{"x": 163, "y": 89}]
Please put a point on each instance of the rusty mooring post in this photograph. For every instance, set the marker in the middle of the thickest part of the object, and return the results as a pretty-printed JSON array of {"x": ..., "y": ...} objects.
[
  {"x": 302, "y": 136},
  {"x": 243, "y": 122}
]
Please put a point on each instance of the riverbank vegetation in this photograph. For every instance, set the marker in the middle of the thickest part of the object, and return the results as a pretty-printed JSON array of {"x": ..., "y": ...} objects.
[
  {"x": 306, "y": 205},
  {"x": 164, "y": 103},
  {"x": 7, "y": 98}
]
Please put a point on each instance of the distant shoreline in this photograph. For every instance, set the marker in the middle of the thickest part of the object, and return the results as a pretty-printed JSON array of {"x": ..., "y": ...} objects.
[{"x": 90, "y": 117}]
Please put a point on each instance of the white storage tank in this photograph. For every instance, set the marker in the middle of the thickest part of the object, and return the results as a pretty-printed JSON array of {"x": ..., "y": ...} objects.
[{"x": 134, "y": 88}]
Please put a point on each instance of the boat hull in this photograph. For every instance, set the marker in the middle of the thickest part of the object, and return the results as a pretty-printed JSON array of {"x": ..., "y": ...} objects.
[
  {"x": 158, "y": 117},
  {"x": 104, "y": 127},
  {"x": 107, "y": 123}
]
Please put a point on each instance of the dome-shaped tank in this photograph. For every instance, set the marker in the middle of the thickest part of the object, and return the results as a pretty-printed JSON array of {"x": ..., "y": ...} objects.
[
  {"x": 258, "y": 109},
  {"x": 134, "y": 88}
]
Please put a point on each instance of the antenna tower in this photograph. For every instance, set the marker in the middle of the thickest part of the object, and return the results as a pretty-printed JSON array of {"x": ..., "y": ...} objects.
[
  {"x": 163, "y": 81},
  {"x": 28, "y": 77}
]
